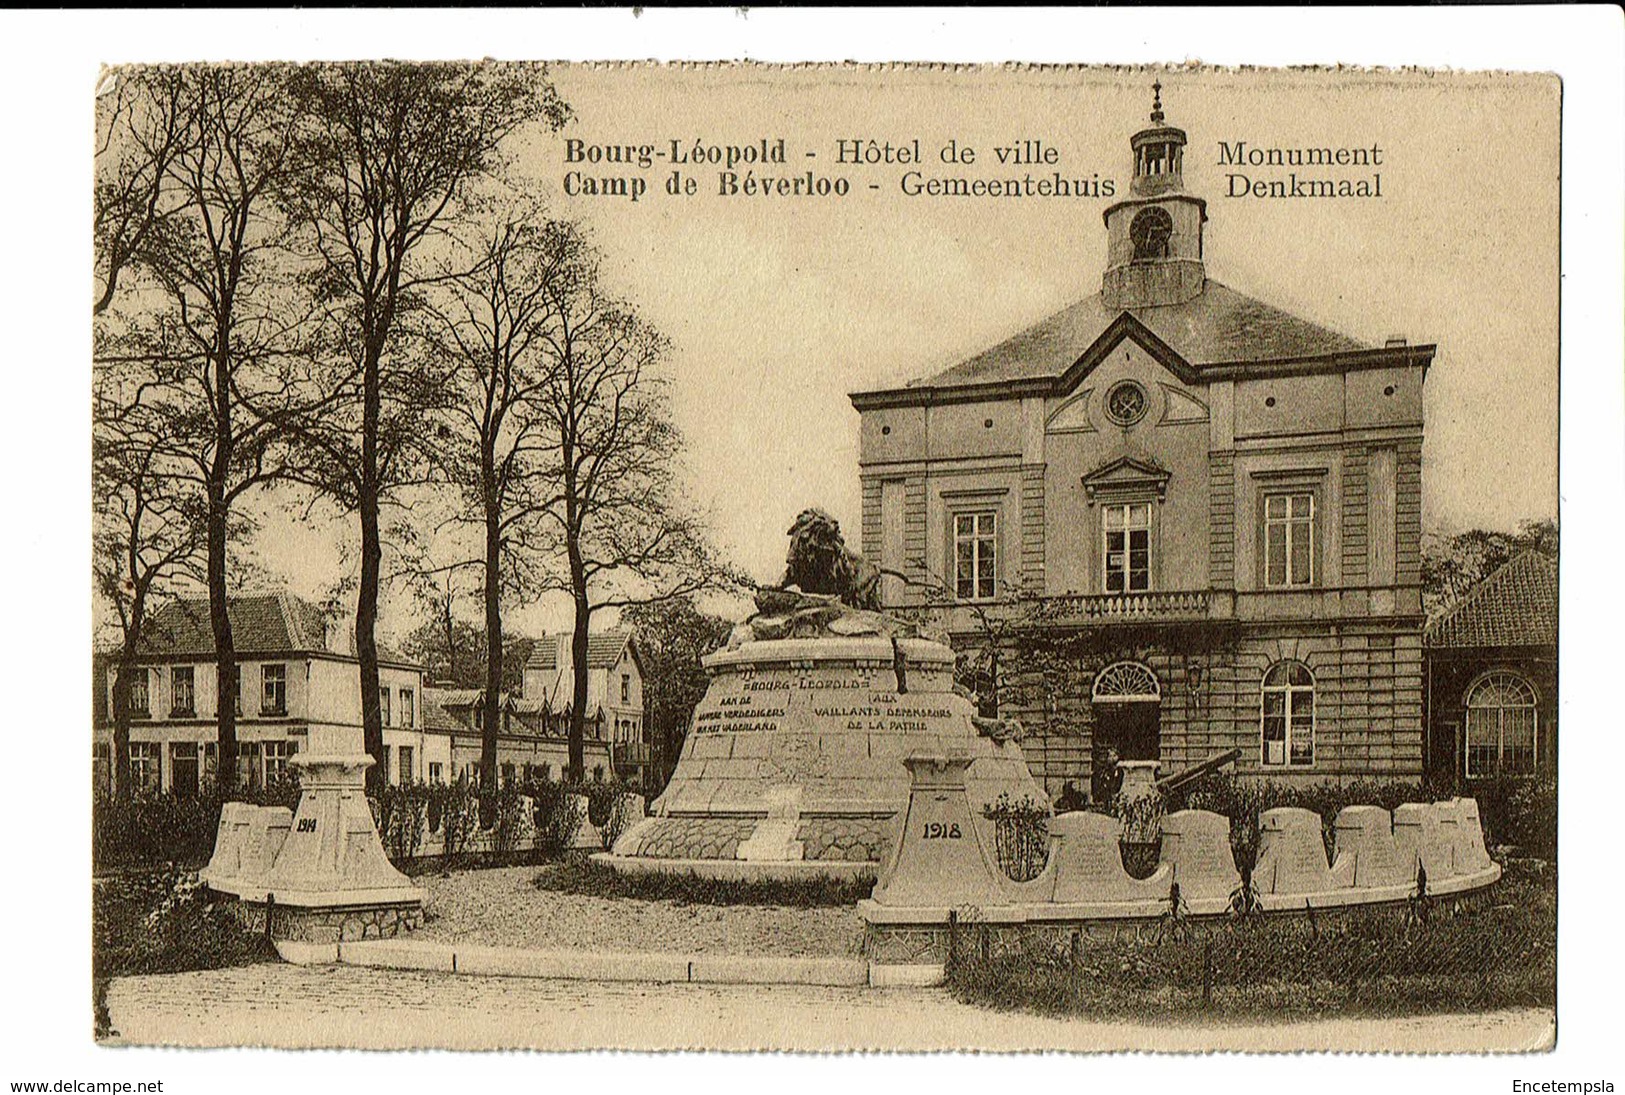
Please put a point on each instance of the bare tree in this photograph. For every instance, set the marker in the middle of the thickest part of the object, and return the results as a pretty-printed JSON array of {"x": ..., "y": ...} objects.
[
  {"x": 623, "y": 533},
  {"x": 149, "y": 537},
  {"x": 489, "y": 322},
  {"x": 139, "y": 128},
  {"x": 387, "y": 156},
  {"x": 220, "y": 327}
]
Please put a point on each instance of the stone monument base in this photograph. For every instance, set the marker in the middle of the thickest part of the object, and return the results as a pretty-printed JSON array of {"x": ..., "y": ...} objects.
[
  {"x": 315, "y": 877},
  {"x": 332, "y": 924}
]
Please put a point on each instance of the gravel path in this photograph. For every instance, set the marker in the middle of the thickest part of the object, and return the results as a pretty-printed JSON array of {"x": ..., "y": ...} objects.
[
  {"x": 304, "y": 1006},
  {"x": 501, "y": 907}
]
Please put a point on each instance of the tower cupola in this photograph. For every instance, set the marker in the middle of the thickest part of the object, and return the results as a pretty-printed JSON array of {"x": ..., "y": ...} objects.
[
  {"x": 1159, "y": 153},
  {"x": 1154, "y": 236}
]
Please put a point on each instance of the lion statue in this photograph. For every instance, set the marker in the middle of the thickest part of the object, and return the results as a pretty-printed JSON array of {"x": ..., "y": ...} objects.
[{"x": 819, "y": 562}]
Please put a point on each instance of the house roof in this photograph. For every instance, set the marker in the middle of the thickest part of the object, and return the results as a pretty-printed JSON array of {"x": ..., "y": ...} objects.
[
  {"x": 444, "y": 709},
  {"x": 1219, "y": 334},
  {"x": 1217, "y": 325},
  {"x": 434, "y": 714},
  {"x": 261, "y": 623},
  {"x": 603, "y": 650},
  {"x": 1515, "y": 606},
  {"x": 264, "y": 622}
]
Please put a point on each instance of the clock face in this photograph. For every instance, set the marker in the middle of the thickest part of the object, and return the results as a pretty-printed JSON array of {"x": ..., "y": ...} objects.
[{"x": 1150, "y": 231}]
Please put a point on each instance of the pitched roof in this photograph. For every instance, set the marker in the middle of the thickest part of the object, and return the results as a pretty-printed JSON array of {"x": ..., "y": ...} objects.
[
  {"x": 262, "y": 623},
  {"x": 443, "y": 708},
  {"x": 1515, "y": 606},
  {"x": 434, "y": 714},
  {"x": 1217, "y": 326},
  {"x": 603, "y": 650},
  {"x": 544, "y": 654}
]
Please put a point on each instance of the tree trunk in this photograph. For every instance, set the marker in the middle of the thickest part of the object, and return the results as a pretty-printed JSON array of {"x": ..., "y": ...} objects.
[
  {"x": 119, "y": 761},
  {"x": 225, "y": 650},
  {"x": 493, "y": 632},
  {"x": 578, "y": 673},
  {"x": 372, "y": 556}
]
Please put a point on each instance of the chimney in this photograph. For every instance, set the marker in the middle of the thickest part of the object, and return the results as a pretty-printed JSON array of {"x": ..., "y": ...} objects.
[{"x": 1395, "y": 340}]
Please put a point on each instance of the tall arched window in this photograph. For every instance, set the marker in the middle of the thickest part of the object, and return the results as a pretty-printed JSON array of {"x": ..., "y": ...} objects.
[
  {"x": 1501, "y": 726},
  {"x": 1287, "y": 721}
]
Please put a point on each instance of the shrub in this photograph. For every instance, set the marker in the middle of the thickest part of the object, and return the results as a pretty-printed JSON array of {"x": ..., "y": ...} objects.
[
  {"x": 1020, "y": 835},
  {"x": 163, "y": 922},
  {"x": 1520, "y": 811},
  {"x": 601, "y": 799},
  {"x": 402, "y": 816},
  {"x": 1141, "y": 816},
  {"x": 558, "y": 816},
  {"x": 156, "y": 828},
  {"x": 510, "y": 827},
  {"x": 627, "y": 812},
  {"x": 454, "y": 806}
]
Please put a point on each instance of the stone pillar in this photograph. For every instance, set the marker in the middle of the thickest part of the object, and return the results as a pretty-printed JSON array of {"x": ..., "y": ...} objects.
[
  {"x": 938, "y": 860},
  {"x": 1291, "y": 853},
  {"x": 333, "y": 855},
  {"x": 1196, "y": 848},
  {"x": 1364, "y": 855}
]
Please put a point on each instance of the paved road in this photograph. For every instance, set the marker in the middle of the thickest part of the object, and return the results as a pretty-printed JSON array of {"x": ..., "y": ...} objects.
[{"x": 295, "y": 1006}]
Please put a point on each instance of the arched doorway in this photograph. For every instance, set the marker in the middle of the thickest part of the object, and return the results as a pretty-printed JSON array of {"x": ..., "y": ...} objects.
[{"x": 1127, "y": 702}]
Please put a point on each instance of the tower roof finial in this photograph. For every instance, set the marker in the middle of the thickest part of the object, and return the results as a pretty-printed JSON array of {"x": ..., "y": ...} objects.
[{"x": 1156, "y": 103}]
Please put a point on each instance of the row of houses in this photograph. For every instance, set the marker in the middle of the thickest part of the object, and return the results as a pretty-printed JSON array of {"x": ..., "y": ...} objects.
[{"x": 299, "y": 691}]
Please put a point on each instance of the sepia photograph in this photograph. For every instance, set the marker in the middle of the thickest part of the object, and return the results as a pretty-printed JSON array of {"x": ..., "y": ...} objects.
[
  {"x": 1151, "y": 600},
  {"x": 831, "y": 556}
]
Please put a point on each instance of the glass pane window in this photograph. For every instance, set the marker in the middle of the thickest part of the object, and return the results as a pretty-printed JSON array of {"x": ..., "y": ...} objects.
[
  {"x": 274, "y": 689},
  {"x": 144, "y": 765},
  {"x": 1289, "y": 539},
  {"x": 975, "y": 555},
  {"x": 383, "y": 705},
  {"x": 407, "y": 773},
  {"x": 1128, "y": 547},
  {"x": 408, "y": 708},
  {"x": 1502, "y": 730},
  {"x": 182, "y": 692},
  {"x": 250, "y": 770},
  {"x": 140, "y": 694},
  {"x": 276, "y": 759},
  {"x": 1287, "y": 724}
]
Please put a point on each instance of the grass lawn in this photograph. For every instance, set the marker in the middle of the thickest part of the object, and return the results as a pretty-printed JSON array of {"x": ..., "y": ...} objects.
[
  {"x": 586, "y": 878},
  {"x": 1502, "y": 953}
]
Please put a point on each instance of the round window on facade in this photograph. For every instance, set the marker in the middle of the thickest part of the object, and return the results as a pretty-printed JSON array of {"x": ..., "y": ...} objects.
[{"x": 1126, "y": 403}]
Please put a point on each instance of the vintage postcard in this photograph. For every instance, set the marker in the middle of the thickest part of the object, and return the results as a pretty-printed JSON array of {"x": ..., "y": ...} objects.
[{"x": 825, "y": 557}]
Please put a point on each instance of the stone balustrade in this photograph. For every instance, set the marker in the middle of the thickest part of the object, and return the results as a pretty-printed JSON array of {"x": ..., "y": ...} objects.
[{"x": 1128, "y": 607}]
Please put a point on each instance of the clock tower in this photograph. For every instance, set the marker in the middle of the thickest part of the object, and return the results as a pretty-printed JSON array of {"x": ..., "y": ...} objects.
[{"x": 1154, "y": 236}]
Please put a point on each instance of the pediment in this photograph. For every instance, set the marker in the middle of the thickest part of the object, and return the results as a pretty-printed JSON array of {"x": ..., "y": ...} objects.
[
  {"x": 1126, "y": 328},
  {"x": 1127, "y": 475}
]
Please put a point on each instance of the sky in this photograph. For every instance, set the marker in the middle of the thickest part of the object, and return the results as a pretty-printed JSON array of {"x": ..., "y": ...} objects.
[{"x": 778, "y": 307}]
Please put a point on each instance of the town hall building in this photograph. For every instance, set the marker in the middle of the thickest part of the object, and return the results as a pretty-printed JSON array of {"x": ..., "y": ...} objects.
[{"x": 1206, "y": 508}]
